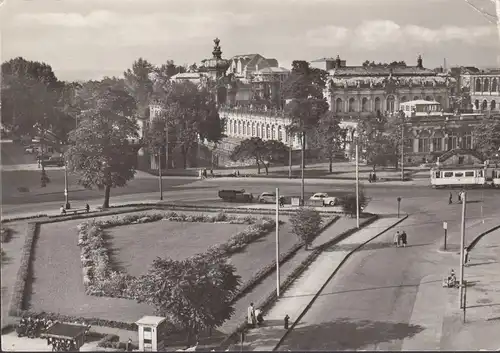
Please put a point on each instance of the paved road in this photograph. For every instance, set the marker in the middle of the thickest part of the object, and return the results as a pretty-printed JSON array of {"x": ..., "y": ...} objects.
[{"x": 368, "y": 304}]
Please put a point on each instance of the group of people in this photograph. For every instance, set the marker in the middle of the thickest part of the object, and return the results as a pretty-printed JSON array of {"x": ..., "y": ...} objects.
[
  {"x": 459, "y": 197},
  {"x": 451, "y": 280},
  {"x": 202, "y": 173},
  {"x": 400, "y": 239},
  {"x": 372, "y": 177},
  {"x": 254, "y": 316},
  {"x": 62, "y": 209}
]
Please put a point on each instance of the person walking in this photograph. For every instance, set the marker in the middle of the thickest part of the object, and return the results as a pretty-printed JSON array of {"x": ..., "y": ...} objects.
[
  {"x": 396, "y": 239},
  {"x": 450, "y": 200},
  {"x": 403, "y": 239},
  {"x": 251, "y": 316}
]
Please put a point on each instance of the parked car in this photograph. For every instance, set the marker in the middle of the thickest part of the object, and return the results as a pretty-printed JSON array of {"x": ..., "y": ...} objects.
[
  {"x": 235, "y": 195},
  {"x": 267, "y": 197},
  {"x": 323, "y": 196},
  {"x": 31, "y": 149},
  {"x": 53, "y": 162}
]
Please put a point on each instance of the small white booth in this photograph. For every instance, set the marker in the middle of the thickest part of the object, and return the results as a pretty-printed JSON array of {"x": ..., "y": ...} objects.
[{"x": 151, "y": 333}]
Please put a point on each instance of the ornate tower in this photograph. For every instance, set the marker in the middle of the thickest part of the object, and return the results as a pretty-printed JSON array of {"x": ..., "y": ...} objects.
[{"x": 216, "y": 68}]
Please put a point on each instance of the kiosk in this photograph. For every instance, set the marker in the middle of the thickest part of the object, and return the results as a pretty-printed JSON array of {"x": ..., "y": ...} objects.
[
  {"x": 152, "y": 332},
  {"x": 65, "y": 337}
]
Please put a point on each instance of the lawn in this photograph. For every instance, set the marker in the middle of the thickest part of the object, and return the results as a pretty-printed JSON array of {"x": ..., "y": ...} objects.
[{"x": 136, "y": 246}]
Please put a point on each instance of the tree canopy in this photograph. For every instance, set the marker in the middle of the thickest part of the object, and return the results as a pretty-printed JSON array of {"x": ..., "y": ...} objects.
[
  {"x": 100, "y": 150},
  {"x": 489, "y": 142},
  {"x": 306, "y": 224},
  {"x": 262, "y": 151}
]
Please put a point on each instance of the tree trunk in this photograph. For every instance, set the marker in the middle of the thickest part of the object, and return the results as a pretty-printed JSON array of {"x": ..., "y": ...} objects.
[
  {"x": 107, "y": 193},
  {"x": 184, "y": 157},
  {"x": 258, "y": 165},
  {"x": 330, "y": 167},
  {"x": 267, "y": 168}
]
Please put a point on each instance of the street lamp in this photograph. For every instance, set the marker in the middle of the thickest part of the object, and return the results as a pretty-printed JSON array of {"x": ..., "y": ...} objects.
[
  {"x": 399, "y": 204},
  {"x": 66, "y": 196},
  {"x": 402, "y": 116}
]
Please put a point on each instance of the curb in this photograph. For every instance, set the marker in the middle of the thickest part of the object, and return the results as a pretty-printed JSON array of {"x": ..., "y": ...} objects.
[
  {"x": 478, "y": 238},
  {"x": 329, "y": 279}
]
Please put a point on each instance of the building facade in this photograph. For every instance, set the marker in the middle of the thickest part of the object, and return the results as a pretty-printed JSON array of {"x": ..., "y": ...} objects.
[
  {"x": 484, "y": 89},
  {"x": 361, "y": 91}
]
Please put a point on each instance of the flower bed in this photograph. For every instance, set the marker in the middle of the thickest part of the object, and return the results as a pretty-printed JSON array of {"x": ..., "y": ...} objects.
[{"x": 101, "y": 279}]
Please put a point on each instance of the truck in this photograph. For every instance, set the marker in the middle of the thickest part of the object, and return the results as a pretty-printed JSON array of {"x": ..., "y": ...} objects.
[{"x": 235, "y": 195}]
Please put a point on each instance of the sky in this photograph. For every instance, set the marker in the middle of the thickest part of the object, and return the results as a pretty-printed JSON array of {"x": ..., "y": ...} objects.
[{"x": 88, "y": 39}]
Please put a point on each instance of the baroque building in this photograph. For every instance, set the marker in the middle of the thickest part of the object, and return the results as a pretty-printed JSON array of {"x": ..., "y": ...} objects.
[{"x": 484, "y": 90}]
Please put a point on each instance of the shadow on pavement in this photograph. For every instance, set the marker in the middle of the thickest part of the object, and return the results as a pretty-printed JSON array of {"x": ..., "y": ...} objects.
[{"x": 347, "y": 335}]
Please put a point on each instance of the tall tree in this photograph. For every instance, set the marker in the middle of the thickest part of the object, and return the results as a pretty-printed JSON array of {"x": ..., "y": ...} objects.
[
  {"x": 306, "y": 224},
  {"x": 139, "y": 84},
  {"x": 488, "y": 137},
  {"x": 252, "y": 148},
  {"x": 330, "y": 137},
  {"x": 306, "y": 104},
  {"x": 100, "y": 152},
  {"x": 194, "y": 293}
]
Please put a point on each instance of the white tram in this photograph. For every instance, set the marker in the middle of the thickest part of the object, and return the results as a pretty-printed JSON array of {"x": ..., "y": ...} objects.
[
  {"x": 496, "y": 178},
  {"x": 458, "y": 176}
]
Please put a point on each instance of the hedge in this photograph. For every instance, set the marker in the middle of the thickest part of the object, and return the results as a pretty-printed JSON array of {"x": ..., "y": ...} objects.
[
  {"x": 7, "y": 220},
  {"x": 267, "y": 303},
  {"x": 24, "y": 272}
]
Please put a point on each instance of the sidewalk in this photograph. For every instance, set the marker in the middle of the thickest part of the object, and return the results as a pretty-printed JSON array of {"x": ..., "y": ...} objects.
[
  {"x": 310, "y": 181},
  {"x": 303, "y": 291},
  {"x": 436, "y": 309}
]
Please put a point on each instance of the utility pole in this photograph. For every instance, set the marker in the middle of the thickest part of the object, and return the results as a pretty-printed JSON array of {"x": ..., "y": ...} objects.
[
  {"x": 302, "y": 167},
  {"x": 357, "y": 185},
  {"x": 159, "y": 174},
  {"x": 462, "y": 247},
  {"x": 402, "y": 116},
  {"x": 277, "y": 242},
  {"x": 290, "y": 157},
  {"x": 66, "y": 196},
  {"x": 166, "y": 147}
]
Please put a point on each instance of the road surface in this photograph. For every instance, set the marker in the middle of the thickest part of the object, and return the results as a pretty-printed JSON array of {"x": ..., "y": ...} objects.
[{"x": 369, "y": 302}]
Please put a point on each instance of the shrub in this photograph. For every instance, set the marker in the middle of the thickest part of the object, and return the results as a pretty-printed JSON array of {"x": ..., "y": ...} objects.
[
  {"x": 348, "y": 202},
  {"x": 5, "y": 234}
]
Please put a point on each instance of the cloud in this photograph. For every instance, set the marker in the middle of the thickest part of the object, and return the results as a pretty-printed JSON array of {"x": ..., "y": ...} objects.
[{"x": 372, "y": 35}]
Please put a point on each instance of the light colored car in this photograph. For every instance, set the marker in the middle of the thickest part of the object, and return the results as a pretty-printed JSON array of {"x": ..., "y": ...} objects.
[
  {"x": 323, "y": 196},
  {"x": 32, "y": 149},
  {"x": 267, "y": 197}
]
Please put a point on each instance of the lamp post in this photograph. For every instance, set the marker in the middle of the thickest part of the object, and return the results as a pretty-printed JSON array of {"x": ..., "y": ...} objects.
[
  {"x": 277, "y": 243},
  {"x": 399, "y": 204},
  {"x": 402, "y": 116},
  {"x": 445, "y": 227},
  {"x": 66, "y": 196},
  {"x": 357, "y": 185},
  {"x": 462, "y": 247},
  {"x": 159, "y": 174}
]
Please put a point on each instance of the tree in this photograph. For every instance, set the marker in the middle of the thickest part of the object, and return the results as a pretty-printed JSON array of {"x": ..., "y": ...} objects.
[
  {"x": 100, "y": 151},
  {"x": 306, "y": 224},
  {"x": 306, "y": 104},
  {"x": 368, "y": 63},
  {"x": 139, "y": 84},
  {"x": 273, "y": 151},
  {"x": 250, "y": 148},
  {"x": 194, "y": 293},
  {"x": 489, "y": 142},
  {"x": 330, "y": 137},
  {"x": 348, "y": 202}
]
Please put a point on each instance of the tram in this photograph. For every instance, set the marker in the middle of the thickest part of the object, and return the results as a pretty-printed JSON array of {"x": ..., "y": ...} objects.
[{"x": 459, "y": 176}]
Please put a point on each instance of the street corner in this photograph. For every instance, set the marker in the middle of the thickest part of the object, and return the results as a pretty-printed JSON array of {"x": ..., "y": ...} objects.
[
  {"x": 451, "y": 249},
  {"x": 429, "y": 312}
]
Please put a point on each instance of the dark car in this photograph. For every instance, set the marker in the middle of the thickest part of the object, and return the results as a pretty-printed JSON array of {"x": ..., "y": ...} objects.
[
  {"x": 53, "y": 162},
  {"x": 235, "y": 195}
]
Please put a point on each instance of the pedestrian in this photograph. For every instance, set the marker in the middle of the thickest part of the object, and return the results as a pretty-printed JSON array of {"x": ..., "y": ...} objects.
[
  {"x": 204, "y": 173},
  {"x": 129, "y": 345},
  {"x": 403, "y": 239},
  {"x": 370, "y": 177},
  {"x": 259, "y": 316},
  {"x": 211, "y": 172},
  {"x": 87, "y": 208},
  {"x": 287, "y": 318},
  {"x": 450, "y": 200},
  {"x": 251, "y": 316},
  {"x": 238, "y": 173},
  {"x": 396, "y": 239},
  {"x": 62, "y": 209},
  {"x": 282, "y": 201},
  {"x": 459, "y": 196}
]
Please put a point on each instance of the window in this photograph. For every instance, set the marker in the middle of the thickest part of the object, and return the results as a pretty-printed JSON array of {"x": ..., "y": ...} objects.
[
  {"x": 494, "y": 85},
  {"x": 147, "y": 329},
  {"x": 352, "y": 105},
  {"x": 253, "y": 129},
  {"x": 147, "y": 341},
  {"x": 280, "y": 137},
  {"x": 267, "y": 132},
  {"x": 437, "y": 174},
  {"x": 448, "y": 174},
  {"x": 469, "y": 174},
  {"x": 476, "y": 104},
  {"x": 484, "y": 106},
  {"x": 338, "y": 105},
  {"x": 478, "y": 85},
  {"x": 364, "y": 104},
  {"x": 493, "y": 105},
  {"x": 423, "y": 145},
  {"x": 390, "y": 104},
  {"x": 437, "y": 144},
  {"x": 467, "y": 142},
  {"x": 486, "y": 85},
  {"x": 459, "y": 174},
  {"x": 273, "y": 132},
  {"x": 377, "y": 104},
  {"x": 244, "y": 129},
  {"x": 480, "y": 173}
]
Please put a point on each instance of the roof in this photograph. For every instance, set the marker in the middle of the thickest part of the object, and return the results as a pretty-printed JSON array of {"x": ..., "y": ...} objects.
[
  {"x": 381, "y": 71},
  {"x": 68, "y": 331},
  {"x": 244, "y": 56},
  {"x": 323, "y": 59},
  {"x": 421, "y": 101},
  {"x": 151, "y": 320},
  {"x": 187, "y": 76},
  {"x": 272, "y": 70}
]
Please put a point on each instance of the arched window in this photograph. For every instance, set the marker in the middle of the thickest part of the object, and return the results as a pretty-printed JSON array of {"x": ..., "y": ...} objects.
[
  {"x": 352, "y": 105},
  {"x": 478, "y": 85},
  {"x": 273, "y": 132},
  {"x": 404, "y": 99},
  {"x": 239, "y": 127},
  {"x": 258, "y": 130},
  {"x": 235, "y": 127},
  {"x": 484, "y": 106},
  {"x": 248, "y": 128},
  {"x": 364, "y": 104},
  {"x": 476, "y": 104},
  {"x": 338, "y": 105},
  {"x": 390, "y": 104},
  {"x": 493, "y": 105},
  {"x": 268, "y": 133},
  {"x": 244, "y": 128},
  {"x": 253, "y": 129},
  {"x": 229, "y": 126},
  {"x": 280, "y": 137},
  {"x": 486, "y": 85},
  {"x": 494, "y": 85},
  {"x": 262, "y": 131},
  {"x": 377, "y": 104},
  {"x": 416, "y": 98}
]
